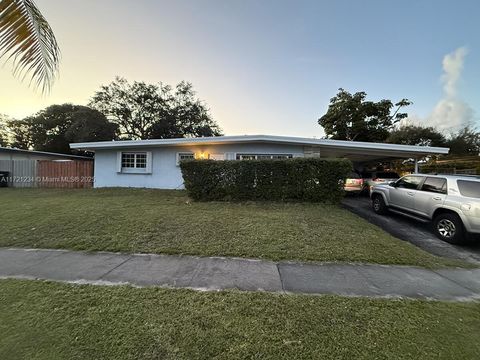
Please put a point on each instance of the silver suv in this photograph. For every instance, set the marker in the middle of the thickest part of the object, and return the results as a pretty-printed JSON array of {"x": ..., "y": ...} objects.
[{"x": 452, "y": 202}]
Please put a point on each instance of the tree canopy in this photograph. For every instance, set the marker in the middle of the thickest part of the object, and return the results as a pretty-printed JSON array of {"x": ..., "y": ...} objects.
[
  {"x": 3, "y": 130},
  {"x": 55, "y": 127},
  {"x": 416, "y": 135},
  {"x": 148, "y": 111},
  {"x": 352, "y": 117},
  {"x": 464, "y": 142}
]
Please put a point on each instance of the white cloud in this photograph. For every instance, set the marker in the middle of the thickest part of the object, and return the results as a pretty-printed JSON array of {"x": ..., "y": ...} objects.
[
  {"x": 450, "y": 113},
  {"x": 452, "y": 69}
]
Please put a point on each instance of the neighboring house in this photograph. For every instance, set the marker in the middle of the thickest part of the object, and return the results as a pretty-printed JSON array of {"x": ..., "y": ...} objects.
[
  {"x": 155, "y": 163},
  {"x": 26, "y": 168},
  {"x": 7, "y": 153}
]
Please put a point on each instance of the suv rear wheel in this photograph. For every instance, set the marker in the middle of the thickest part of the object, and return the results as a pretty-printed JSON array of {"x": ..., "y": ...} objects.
[
  {"x": 379, "y": 205},
  {"x": 449, "y": 227}
]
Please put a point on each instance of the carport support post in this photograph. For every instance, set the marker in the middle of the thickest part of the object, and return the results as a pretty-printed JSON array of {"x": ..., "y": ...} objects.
[{"x": 416, "y": 166}]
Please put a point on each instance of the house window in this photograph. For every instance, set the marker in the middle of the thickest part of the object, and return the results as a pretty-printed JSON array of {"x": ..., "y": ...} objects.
[
  {"x": 263, "y": 156},
  {"x": 134, "y": 162},
  {"x": 185, "y": 156},
  {"x": 216, "y": 156}
]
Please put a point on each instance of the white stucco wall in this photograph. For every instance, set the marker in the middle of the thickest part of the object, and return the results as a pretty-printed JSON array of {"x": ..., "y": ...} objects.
[{"x": 165, "y": 172}]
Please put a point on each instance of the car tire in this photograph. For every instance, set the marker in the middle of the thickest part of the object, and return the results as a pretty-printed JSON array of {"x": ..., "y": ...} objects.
[
  {"x": 378, "y": 205},
  {"x": 449, "y": 227}
]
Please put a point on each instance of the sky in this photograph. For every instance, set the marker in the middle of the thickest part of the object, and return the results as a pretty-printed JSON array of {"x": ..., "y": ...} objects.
[{"x": 269, "y": 66}]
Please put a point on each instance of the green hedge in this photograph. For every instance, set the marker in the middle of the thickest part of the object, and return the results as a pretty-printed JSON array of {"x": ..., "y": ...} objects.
[{"x": 301, "y": 179}]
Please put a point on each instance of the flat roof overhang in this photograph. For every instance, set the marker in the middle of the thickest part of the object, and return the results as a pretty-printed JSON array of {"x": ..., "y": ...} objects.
[{"x": 363, "y": 151}]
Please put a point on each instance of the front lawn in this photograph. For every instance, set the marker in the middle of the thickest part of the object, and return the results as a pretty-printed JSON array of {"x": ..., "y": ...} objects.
[
  {"x": 41, "y": 320},
  {"x": 156, "y": 221}
]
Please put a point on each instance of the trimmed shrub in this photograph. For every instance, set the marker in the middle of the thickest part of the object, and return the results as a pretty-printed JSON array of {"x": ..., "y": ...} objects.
[{"x": 300, "y": 179}]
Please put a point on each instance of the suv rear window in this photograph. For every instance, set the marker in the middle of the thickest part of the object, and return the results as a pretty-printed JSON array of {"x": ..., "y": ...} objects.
[
  {"x": 469, "y": 188},
  {"x": 353, "y": 175},
  {"x": 436, "y": 185}
]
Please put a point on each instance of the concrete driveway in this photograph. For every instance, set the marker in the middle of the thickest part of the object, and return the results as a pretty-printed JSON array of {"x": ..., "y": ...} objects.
[{"x": 417, "y": 233}]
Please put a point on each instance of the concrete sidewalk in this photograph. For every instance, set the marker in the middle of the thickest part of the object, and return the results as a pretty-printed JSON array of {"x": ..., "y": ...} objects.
[{"x": 215, "y": 273}]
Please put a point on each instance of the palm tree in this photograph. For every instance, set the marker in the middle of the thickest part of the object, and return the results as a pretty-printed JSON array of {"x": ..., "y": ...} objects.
[{"x": 27, "y": 39}]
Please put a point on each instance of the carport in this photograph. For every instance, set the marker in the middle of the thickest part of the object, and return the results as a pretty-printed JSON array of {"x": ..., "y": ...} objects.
[{"x": 362, "y": 152}]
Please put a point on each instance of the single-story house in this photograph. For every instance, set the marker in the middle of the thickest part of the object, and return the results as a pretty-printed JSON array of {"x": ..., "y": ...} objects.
[{"x": 155, "y": 163}]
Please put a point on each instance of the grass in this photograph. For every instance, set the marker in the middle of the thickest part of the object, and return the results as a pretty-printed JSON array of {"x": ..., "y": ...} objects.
[
  {"x": 42, "y": 320},
  {"x": 156, "y": 221}
]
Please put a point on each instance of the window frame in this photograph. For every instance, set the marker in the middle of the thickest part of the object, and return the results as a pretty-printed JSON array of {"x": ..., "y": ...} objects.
[
  {"x": 443, "y": 189},
  {"x": 135, "y": 169},
  {"x": 422, "y": 179},
  {"x": 266, "y": 156},
  {"x": 460, "y": 181},
  {"x": 181, "y": 153},
  {"x": 135, "y": 155},
  {"x": 217, "y": 156}
]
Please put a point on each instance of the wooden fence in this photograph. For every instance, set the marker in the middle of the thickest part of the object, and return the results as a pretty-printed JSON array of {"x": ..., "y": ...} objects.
[
  {"x": 49, "y": 173},
  {"x": 65, "y": 174}
]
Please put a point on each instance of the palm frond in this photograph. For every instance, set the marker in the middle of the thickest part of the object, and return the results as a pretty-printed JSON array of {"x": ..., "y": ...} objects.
[{"x": 27, "y": 39}]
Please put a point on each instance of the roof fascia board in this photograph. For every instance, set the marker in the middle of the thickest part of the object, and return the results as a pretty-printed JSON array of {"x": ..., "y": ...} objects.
[{"x": 326, "y": 143}]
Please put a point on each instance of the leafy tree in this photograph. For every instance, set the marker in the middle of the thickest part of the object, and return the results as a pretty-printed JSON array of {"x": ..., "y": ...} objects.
[
  {"x": 147, "y": 111},
  {"x": 416, "y": 135},
  {"x": 465, "y": 142},
  {"x": 352, "y": 117},
  {"x": 21, "y": 137},
  {"x": 55, "y": 127},
  {"x": 3, "y": 138},
  {"x": 3, "y": 130},
  {"x": 26, "y": 37}
]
